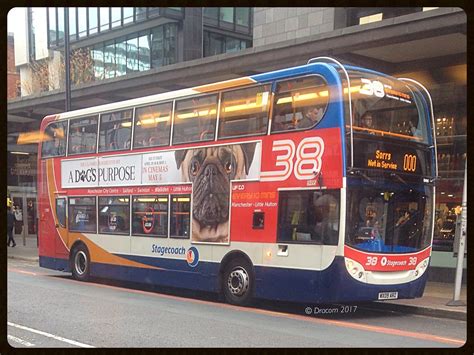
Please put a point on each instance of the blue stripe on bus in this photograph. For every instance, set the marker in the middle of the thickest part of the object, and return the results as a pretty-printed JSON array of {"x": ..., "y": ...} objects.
[
  {"x": 331, "y": 285},
  {"x": 54, "y": 263},
  {"x": 369, "y": 71}
]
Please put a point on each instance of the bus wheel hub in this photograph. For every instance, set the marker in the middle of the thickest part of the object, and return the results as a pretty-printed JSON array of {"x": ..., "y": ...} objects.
[
  {"x": 80, "y": 262},
  {"x": 238, "y": 282}
]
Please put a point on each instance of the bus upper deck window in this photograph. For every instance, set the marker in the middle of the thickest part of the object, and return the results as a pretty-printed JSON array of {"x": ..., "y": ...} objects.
[
  {"x": 244, "y": 112},
  {"x": 382, "y": 106},
  {"x": 82, "y": 135},
  {"x": 152, "y": 125},
  {"x": 54, "y": 140},
  {"x": 115, "y": 131},
  {"x": 299, "y": 103},
  {"x": 195, "y": 119}
]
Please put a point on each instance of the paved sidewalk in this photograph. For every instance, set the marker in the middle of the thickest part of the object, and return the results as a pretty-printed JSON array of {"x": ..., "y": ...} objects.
[
  {"x": 433, "y": 302},
  {"x": 27, "y": 252}
]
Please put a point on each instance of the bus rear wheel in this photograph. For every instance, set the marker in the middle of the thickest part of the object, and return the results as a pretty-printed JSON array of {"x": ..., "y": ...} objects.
[
  {"x": 80, "y": 263},
  {"x": 238, "y": 282}
]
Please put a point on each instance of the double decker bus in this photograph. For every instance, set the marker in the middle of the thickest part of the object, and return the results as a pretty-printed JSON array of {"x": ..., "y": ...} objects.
[{"x": 310, "y": 184}]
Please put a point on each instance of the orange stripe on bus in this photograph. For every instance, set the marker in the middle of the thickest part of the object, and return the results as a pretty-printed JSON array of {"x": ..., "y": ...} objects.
[{"x": 97, "y": 253}]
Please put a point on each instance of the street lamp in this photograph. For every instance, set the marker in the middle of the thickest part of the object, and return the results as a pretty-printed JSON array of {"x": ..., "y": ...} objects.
[{"x": 66, "y": 58}]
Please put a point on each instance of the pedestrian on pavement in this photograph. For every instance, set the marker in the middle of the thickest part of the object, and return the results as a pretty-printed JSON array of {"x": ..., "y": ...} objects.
[{"x": 10, "y": 224}]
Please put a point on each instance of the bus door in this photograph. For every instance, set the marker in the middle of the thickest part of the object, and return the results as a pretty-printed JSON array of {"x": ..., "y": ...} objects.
[{"x": 60, "y": 208}]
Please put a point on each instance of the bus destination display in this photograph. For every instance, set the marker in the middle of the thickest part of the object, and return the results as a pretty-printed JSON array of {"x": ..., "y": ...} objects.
[{"x": 390, "y": 157}]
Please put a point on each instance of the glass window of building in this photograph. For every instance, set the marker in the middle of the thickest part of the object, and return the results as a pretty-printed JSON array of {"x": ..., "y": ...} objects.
[
  {"x": 180, "y": 216},
  {"x": 104, "y": 18},
  {"x": 109, "y": 60},
  {"x": 60, "y": 24},
  {"x": 72, "y": 23},
  {"x": 150, "y": 216},
  {"x": 154, "y": 11},
  {"x": 54, "y": 140},
  {"x": 157, "y": 47},
  {"x": 299, "y": 103},
  {"x": 98, "y": 58},
  {"x": 244, "y": 111},
  {"x": 242, "y": 16},
  {"x": 169, "y": 44},
  {"x": 82, "y": 21},
  {"x": 232, "y": 45},
  {"x": 152, "y": 125},
  {"x": 195, "y": 119},
  {"x": 38, "y": 28},
  {"x": 114, "y": 215},
  {"x": 116, "y": 15},
  {"x": 215, "y": 44},
  {"x": 144, "y": 52},
  {"x": 82, "y": 214},
  {"x": 121, "y": 56},
  {"x": 140, "y": 13},
  {"x": 82, "y": 135},
  {"x": 132, "y": 55},
  {"x": 211, "y": 12},
  {"x": 176, "y": 12},
  {"x": 52, "y": 26},
  {"x": 127, "y": 15},
  {"x": 227, "y": 14},
  {"x": 115, "y": 131},
  {"x": 93, "y": 20}
]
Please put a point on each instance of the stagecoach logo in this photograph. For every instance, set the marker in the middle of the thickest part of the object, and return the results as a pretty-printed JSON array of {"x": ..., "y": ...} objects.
[{"x": 192, "y": 256}]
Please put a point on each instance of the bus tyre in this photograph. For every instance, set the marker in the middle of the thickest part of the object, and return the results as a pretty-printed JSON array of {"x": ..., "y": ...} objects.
[
  {"x": 80, "y": 263},
  {"x": 238, "y": 282}
]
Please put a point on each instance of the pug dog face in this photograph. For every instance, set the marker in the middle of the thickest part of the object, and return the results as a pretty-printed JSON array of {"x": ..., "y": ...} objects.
[{"x": 211, "y": 169}]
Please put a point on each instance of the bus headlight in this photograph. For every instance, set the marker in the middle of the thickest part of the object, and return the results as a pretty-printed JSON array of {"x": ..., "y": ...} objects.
[
  {"x": 421, "y": 268},
  {"x": 355, "y": 269}
]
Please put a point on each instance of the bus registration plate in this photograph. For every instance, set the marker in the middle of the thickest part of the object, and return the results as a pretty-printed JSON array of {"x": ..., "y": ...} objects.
[{"x": 388, "y": 295}]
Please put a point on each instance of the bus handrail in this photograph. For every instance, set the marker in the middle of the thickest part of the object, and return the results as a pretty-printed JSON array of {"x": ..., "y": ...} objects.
[{"x": 348, "y": 93}]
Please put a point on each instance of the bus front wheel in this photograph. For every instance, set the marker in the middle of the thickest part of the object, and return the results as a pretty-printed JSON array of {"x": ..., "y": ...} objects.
[
  {"x": 80, "y": 263},
  {"x": 238, "y": 282}
]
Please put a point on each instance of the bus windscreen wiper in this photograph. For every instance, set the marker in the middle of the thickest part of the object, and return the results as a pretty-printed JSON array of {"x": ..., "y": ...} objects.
[{"x": 399, "y": 178}]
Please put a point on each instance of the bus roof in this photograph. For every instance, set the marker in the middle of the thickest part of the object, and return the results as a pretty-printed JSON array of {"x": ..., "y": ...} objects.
[{"x": 202, "y": 89}]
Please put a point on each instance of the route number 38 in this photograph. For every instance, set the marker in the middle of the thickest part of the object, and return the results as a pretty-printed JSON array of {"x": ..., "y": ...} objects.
[
  {"x": 307, "y": 164},
  {"x": 371, "y": 261}
]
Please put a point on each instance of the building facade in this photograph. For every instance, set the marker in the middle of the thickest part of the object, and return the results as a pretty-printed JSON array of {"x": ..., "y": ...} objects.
[
  {"x": 122, "y": 53},
  {"x": 13, "y": 77}
]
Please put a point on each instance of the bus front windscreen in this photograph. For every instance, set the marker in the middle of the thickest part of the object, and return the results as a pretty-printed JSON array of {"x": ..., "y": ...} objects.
[
  {"x": 386, "y": 107},
  {"x": 389, "y": 218}
]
